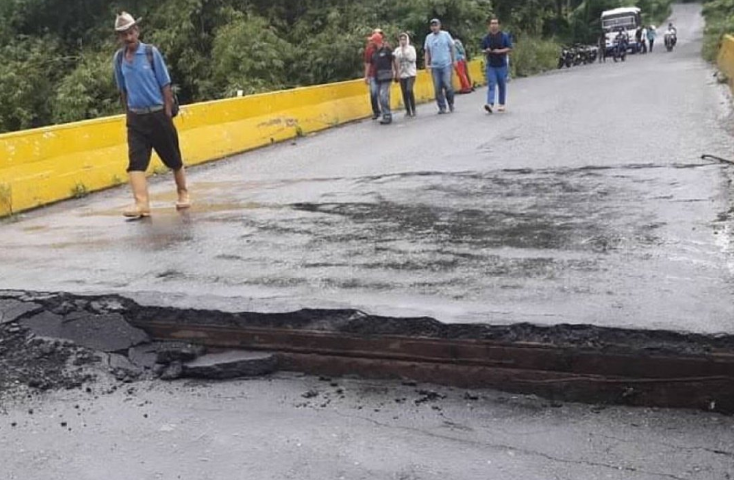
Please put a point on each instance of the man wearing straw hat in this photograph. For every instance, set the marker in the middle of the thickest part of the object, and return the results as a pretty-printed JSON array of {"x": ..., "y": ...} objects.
[{"x": 145, "y": 90}]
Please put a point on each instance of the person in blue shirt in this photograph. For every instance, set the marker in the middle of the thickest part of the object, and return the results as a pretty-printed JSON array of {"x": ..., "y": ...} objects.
[
  {"x": 145, "y": 92},
  {"x": 651, "y": 34},
  {"x": 496, "y": 45},
  {"x": 440, "y": 61}
]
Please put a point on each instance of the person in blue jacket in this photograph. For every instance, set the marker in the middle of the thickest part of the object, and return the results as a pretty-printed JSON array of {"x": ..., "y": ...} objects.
[{"x": 496, "y": 46}]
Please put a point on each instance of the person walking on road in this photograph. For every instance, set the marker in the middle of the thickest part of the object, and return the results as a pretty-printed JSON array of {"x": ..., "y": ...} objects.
[
  {"x": 406, "y": 56},
  {"x": 461, "y": 67},
  {"x": 638, "y": 39},
  {"x": 603, "y": 47},
  {"x": 440, "y": 61},
  {"x": 651, "y": 34},
  {"x": 496, "y": 45},
  {"x": 369, "y": 73},
  {"x": 385, "y": 68},
  {"x": 145, "y": 91}
]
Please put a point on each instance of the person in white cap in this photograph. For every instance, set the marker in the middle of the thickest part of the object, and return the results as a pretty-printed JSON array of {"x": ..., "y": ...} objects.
[{"x": 145, "y": 90}]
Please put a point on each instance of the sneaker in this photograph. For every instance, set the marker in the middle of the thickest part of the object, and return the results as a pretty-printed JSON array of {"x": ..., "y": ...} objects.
[
  {"x": 386, "y": 120},
  {"x": 451, "y": 108},
  {"x": 442, "y": 111},
  {"x": 501, "y": 108},
  {"x": 375, "y": 116},
  {"x": 488, "y": 108}
]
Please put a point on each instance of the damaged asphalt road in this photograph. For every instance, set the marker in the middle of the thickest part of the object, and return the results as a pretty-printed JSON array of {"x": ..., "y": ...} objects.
[
  {"x": 265, "y": 428},
  {"x": 586, "y": 206},
  {"x": 70, "y": 411},
  {"x": 587, "y": 203},
  {"x": 51, "y": 342}
]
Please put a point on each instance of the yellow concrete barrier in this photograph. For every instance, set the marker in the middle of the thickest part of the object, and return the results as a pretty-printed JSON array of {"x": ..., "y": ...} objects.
[
  {"x": 45, "y": 165},
  {"x": 725, "y": 59}
]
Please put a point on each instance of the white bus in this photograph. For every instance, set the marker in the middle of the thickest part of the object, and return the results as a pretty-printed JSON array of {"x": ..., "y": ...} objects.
[{"x": 629, "y": 18}]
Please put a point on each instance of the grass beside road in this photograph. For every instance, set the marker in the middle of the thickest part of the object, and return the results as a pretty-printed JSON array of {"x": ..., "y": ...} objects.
[
  {"x": 719, "y": 15},
  {"x": 534, "y": 55}
]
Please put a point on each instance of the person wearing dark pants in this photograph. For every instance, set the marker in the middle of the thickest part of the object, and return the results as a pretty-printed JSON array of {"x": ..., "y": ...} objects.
[
  {"x": 369, "y": 74},
  {"x": 383, "y": 62},
  {"x": 496, "y": 45},
  {"x": 651, "y": 34},
  {"x": 405, "y": 56},
  {"x": 603, "y": 47},
  {"x": 441, "y": 61},
  {"x": 145, "y": 91}
]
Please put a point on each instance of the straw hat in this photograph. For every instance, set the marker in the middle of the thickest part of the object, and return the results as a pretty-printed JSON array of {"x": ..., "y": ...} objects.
[{"x": 125, "y": 21}]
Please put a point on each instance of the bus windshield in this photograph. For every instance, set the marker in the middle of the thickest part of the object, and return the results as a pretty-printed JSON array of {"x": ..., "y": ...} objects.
[{"x": 625, "y": 20}]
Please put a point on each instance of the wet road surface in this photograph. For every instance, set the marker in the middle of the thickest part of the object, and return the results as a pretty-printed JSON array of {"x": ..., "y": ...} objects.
[
  {"x": 350, "y": 429},
  {"x": 586, "y": 203}
]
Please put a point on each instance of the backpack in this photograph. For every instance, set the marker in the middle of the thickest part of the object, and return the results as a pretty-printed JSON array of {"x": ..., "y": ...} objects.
[
  {"x": 383, "y": 62},
  {"x": 149, "y": 55}
]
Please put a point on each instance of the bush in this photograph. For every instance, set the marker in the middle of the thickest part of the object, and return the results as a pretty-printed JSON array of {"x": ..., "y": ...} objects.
[
  {"x": 248, "y": 55},
  {"x": 534, "y": 55},
  {"x": 89, "y": 91},
  {"x": 719, "y": 16}
]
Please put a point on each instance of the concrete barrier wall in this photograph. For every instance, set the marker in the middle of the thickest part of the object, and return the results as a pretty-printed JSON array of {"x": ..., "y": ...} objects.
[
  {"x": 45, "y": 165},
  {"x": 725, "y": 59}
]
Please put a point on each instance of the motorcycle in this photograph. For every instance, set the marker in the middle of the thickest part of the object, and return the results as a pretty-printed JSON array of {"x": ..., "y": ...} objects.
[
  {"x": 620, "y": 49},
  {"x": 671, "y": 38},
  {"x": 566, "y": 58},
  {"x": 580, "y": 55},
  {"x": 593, "y": 53}
]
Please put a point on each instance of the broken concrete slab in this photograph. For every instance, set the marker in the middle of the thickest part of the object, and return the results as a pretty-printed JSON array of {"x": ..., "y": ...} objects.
[
  {"x": 169, "y": 372},
  {"x": 106, "y": 333},
  {"x": 144, "y": 356},
  {"x": 168, "y": 352},
  {"x": 106, "y": 305},
  {"x": 231, "y": 364},
  {"x": 122, "y": 368},
  {"x": 11, "y": 310},
  {"x": 44, "y": 324}
]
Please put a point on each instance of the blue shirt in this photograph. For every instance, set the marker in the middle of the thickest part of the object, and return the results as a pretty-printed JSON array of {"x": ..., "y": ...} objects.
[
  {"x": 140, "y": 81},
  {"x": 439, "y": 45},
  {"x": 496, "y": 41}
]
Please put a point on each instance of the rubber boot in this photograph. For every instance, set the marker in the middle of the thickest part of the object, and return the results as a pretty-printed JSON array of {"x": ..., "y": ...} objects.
[
  {"x": 183, "y": 192},
  {"x": 139, "y": 185}
]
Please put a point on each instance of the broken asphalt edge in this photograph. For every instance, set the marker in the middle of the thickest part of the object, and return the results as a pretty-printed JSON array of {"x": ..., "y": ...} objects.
[{"x": 565, "y": 362}]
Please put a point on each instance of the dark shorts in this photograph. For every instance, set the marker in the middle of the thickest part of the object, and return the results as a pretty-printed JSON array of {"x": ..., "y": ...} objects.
[{"x": 152, "y": 131}]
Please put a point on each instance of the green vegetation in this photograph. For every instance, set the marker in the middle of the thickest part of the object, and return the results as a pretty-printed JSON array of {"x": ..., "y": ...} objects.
[
  {"x": 719, "y": 16},
  {"x": 533, "y": 56},
  {"x": 57, "y": 54}
]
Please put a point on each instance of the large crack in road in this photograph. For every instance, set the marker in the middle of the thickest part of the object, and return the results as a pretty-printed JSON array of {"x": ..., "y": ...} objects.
[{"x": 568, "y": 362}]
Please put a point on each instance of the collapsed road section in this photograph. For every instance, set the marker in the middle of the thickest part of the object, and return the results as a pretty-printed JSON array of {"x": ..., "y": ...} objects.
[{"x": 563, "y": 362}]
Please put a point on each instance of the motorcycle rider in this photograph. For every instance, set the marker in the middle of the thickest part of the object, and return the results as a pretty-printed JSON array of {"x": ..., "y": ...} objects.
[
  {"x": 672, "y": 34},
  {"x": 620, "y": 43}
]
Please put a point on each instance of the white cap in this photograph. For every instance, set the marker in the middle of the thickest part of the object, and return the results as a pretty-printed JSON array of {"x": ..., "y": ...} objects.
[{"x": 125, "y": 21}]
